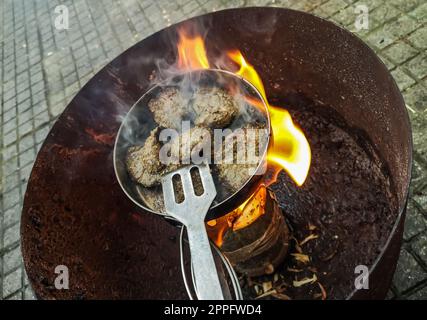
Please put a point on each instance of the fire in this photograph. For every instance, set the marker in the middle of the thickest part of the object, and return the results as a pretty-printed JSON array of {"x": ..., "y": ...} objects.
[
  {"x": 251, "y": 209},
  {"x": 239, "y": 218},
  {"x": 289, "y": 149},
  {"x": 191, "y": 52}
]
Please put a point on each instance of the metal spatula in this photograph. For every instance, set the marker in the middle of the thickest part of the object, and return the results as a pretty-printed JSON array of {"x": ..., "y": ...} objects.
[{"x": 191, "y": 212}]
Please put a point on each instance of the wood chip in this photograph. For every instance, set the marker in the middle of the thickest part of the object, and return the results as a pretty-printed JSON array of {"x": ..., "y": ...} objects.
[
  {"x": 305, "y": 281},
  {"x": 324, "y": 294},
  {"x": 282, "y": 287},
  {"x": 301, "y": 257},
  {"x": 311, "y": 227},
  {"x": 297, "y": 246},
  {"x": 257, "y": 289},
  {"x": 310, "y": 237},
  {"x": 266, "y": 286},
  {"x": 268, "y": 293},
  {"x": 281, "y": 296},
  {"x": 294, "y": 270}
]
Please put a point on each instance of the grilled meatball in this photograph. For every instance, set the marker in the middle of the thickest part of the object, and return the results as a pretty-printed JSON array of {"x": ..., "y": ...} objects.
[
  {"x": 169, "y": 108},
  {"x": 234, "y": 172},
  {"x": 189, "y": 144},
  {"x": 208, "y": 107},
  {"x": 143, "y": 162},
  {"x": 214, "y": 108}
]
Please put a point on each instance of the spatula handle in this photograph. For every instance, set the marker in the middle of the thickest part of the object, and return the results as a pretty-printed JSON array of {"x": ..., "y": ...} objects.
[{"x": 205, "y": 272}]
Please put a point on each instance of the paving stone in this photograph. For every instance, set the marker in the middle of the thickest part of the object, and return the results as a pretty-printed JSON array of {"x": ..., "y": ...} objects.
[
  {"x": 25, "y": 116},
  {"x": 23, "y": 106},
  {"x": 408, "y": 272},
  {"x": 9, "y": 138},
  {"x": 41, "y": 119},
  {"x": 16, "y": 296},
  {"x": 416, "y": 97},
  {"x": 12, "y": 260},
  {"x": 330, "y": 7},
  {"x": 28, "y": 294},
  {"x": 25, "y": 128},
  {"x": 406, "y": 5},
  {"x": 419, "y": 13},
  {"x": 26, "y": 171},
  {"x": 24, "y": 95},
  {"x": 418, "y": 65},
  {"x": 420, "y": 197},
  {"x": 10, "y": 198},
  {"x": 421, "y": 294},
  {"x": 11, "y": 235},
  {"x": 41, "y": 134},
  {"x": 419, "y": 174},
  {"x": 419, "y": 38},
  {"x": 57, "y": 108},
  {"x": 390, "y": 65},
  {"x": 10, "y": 166},
  {"x": 12, "y": 216},
  {"x": 11, "y": 283},
  {"x": 9, "y": 152},
  {"x": 26, "y": 143},
  {"x": 380, "y": 38},
  {"x": 9, "y": 126},
  {"x": 402, "y": 79},
  {"x": 9, "y": 115},
  {"x": 26, "y": 157},
  {"x": 40, "y": 107},
  {"x": 415, "y": 221},
  {"x": 10, "y": 181},
  {"x": 419, "y": 245},
  {"x": 400, "y": 52}
]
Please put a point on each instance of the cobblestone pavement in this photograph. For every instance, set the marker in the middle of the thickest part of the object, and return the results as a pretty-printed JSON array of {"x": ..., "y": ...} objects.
[{"x": 43, "y": 68}]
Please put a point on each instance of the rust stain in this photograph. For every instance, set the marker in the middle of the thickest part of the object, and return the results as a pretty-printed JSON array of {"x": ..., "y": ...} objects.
[{"x": 101, "y": 138}]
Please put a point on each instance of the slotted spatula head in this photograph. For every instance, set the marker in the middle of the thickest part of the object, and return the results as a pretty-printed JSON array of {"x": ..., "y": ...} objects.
[{"x": 194, "y": 207}]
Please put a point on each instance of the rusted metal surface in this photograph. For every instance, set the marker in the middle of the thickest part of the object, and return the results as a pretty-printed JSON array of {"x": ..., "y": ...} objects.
[{"x": 75, "y": 213}]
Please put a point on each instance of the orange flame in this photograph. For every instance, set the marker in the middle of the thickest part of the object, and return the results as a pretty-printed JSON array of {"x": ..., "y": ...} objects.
[
  {"x": 191, "y": 52},
  {"x": 289, "y": 149},
  {"x": 239, "y": 218},
  {"x": 251, "y": 209}
]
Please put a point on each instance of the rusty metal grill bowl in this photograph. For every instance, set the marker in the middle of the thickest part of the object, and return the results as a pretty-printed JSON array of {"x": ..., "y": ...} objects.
[{"x": 74, "y": 206}]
